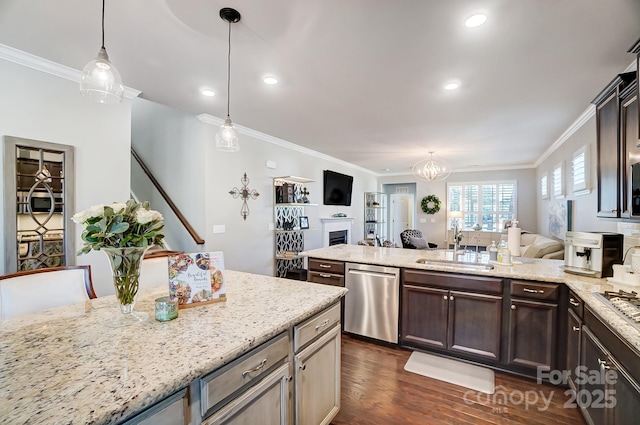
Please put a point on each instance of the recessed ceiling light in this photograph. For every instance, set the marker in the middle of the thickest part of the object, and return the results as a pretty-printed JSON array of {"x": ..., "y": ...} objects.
[
  {"x": 208, "y": 93},
  {"x": 270, "y": 80},
  {"x": 475, "y": 20},
  {"x": 451, "y": 86}
]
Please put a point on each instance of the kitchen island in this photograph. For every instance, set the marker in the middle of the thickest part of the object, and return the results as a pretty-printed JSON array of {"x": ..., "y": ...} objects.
[
  {"x": 531, "y": 269},
  {"x": 65, "y": 366}
]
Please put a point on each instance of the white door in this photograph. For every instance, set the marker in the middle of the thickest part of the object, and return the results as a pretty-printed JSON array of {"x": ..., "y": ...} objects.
[{"x": 402, "y": 215}]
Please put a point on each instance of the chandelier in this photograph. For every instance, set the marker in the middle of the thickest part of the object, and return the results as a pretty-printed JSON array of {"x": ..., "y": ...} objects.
[{"x": 431, "y": 170}]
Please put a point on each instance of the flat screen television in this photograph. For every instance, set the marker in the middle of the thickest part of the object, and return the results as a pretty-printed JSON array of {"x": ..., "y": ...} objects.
[{"x": 337, "y": 188}]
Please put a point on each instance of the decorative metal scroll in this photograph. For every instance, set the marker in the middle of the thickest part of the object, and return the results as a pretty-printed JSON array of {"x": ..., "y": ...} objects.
[{"x": 244, "y": 193}]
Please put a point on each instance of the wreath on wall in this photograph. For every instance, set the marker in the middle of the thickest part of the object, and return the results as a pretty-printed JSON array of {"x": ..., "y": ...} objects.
[{"x": 430, "y": 204}]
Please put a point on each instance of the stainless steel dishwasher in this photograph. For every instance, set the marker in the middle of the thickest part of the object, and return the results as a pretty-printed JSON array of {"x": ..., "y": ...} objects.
[{"x": 372, "y": 303}]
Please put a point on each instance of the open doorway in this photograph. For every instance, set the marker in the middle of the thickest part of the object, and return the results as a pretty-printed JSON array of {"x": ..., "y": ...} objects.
[{"x": 401, "y": 209}]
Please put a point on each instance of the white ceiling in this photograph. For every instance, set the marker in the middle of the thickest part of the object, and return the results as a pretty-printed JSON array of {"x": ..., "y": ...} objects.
[{"x": 360, "y": 80}]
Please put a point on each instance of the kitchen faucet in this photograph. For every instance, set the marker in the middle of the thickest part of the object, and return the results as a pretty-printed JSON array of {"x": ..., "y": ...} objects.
[{"x": 477, "y": 243}]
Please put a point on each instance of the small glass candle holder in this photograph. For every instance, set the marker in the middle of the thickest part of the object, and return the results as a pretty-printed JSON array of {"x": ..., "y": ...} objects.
[{"x": 166, "y": 309}]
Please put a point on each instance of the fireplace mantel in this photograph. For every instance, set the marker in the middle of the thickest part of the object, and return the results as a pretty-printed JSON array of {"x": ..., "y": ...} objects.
[{"x": 333, "y": 224}]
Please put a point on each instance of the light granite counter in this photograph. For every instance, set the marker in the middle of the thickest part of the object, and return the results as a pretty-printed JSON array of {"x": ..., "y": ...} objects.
[
  {"x": 529, "y": 269},
  {"x": 64, "y": 366}
]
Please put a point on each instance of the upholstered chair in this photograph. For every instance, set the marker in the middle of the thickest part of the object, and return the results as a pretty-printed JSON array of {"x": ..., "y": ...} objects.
[
  {"x": 30, "y": 291},
  {"x": 412, "y": 239},
  {"x": 155, "y": 269}
]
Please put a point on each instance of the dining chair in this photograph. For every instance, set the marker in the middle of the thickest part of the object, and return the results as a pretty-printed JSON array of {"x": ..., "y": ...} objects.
[
  {"x": 155, "y": 269},
  {"x": 41, "y": 289}
]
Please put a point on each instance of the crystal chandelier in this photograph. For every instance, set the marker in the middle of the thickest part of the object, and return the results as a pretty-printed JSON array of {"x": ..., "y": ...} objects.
[{"x": 431, "y": 169}]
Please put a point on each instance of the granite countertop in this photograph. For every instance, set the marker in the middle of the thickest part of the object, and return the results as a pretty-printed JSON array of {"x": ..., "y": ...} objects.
[
  {"x": 65, "y": 365},
  {"x": 531, "y": 269}
]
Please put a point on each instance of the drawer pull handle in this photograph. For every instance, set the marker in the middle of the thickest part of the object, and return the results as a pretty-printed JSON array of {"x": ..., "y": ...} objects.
[
  {"x": 303, "y": 366},
  {"x": 325, "y": 266},
  {"x": 325, "y": 275},
  {"x": 255, "y": 369},
  {"x": 451, "y": 298},
  {"x": 533, "y": 291},
  {"x": 513, "y": 307},
  {"x": 575, "y": 328},
  {"x": 574, "y": 302},
  {"x": 322, "y": 325},
  {"x": 445, "y": 298}
]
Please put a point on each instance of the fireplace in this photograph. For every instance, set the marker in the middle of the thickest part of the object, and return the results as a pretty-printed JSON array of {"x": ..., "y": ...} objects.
[
  {"x": 336, "y": 230},
  {"x": 338, "y": 237}
]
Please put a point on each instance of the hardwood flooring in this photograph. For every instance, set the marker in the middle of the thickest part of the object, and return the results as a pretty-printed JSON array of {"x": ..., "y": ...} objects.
[{"x": 376, "y": 390}]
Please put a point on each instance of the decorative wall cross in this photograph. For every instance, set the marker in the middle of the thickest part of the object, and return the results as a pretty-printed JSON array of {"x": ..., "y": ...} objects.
[{"x": 244, "y": 193}]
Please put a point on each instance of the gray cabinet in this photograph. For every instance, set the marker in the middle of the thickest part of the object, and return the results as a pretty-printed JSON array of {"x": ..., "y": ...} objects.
[
  {"x": 317, "y": 368},
  {"x": 173, "y": 410}
]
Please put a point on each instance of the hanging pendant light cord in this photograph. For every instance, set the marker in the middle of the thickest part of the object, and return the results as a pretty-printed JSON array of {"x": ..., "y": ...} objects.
[
  {"x": 229, "y": 70},
  {"x": 103, "y": 23}
]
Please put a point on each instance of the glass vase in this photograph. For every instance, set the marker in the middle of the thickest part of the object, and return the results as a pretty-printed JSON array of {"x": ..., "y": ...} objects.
[{"x": 126, "y": 264}]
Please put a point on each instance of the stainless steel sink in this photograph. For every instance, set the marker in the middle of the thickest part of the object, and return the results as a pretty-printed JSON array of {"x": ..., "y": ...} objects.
[{"x": 459, "y": 265}]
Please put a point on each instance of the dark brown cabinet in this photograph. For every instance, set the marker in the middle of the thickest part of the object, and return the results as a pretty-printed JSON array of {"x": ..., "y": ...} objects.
[
  {"x": 327, "y": 272},
  {"x": 608, "y": 391},
  {"x": 449, "y": 312},
  {"x": 533, "y": 324},
  {"x": 574, "y": 337},
  {"x": 29, "y": 169},
  {"x": 613, "y": 189}
]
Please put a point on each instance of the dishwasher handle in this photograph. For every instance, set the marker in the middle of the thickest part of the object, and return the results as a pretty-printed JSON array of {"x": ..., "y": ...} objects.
[{"x": 372, "y": 273}]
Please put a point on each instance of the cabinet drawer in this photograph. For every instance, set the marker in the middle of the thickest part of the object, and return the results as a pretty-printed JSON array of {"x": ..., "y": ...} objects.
[
  {"x": 576, "y": 304},
  {"x": 251, "y": 367},
  {"x": 326, "y": 266},
  {"x": 173, "y": 410},
  {"x": 326, "y": 278},
  {"x": 534, "y": 290},
  {"x": 311, "y": 328}
]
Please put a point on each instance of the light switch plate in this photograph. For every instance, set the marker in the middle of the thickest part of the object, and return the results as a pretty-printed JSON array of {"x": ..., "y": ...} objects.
[
  {"x": 271, "y": 226},
  {"x": 271, "y": 164},
  {"x": 433, "y": 220},
  {"x": 423, "y": 220},
  {"x": 219, "y": 228}
]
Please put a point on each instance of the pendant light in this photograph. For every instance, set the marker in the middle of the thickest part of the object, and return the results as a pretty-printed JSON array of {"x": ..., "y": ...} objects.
[
  {"x": 431, "y": 169},
  {"x": 101, "y": 81},
  {"x": 227, "y": 137}
]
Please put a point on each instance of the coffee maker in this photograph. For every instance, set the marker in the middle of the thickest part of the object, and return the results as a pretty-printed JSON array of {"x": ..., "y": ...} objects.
[{"x": 592, "y": 253}]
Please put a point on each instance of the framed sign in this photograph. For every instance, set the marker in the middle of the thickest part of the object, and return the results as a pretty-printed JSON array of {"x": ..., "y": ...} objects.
[
  {"x": 197, "y": 279},
  {"x": 304, "y": 222}
]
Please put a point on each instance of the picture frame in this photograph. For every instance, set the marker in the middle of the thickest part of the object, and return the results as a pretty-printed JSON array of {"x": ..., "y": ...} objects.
[{"x": 304, "y": 222}]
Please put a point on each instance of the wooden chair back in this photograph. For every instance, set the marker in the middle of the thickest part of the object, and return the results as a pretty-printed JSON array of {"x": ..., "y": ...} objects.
[{"x": 155, "y": 269}]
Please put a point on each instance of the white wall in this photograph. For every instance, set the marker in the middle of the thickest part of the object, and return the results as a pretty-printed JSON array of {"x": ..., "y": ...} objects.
[
  {"x": 180, "y": 151},
  {"x": 436, "y": 232},
  {"x": 39, "y": 106}
]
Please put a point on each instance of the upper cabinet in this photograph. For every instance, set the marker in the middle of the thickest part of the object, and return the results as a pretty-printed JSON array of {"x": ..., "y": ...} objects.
[{"x": 614, "y": 150}]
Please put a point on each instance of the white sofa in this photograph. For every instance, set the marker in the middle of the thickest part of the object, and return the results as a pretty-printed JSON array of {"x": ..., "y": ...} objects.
[{"x": 534, "y": 245}]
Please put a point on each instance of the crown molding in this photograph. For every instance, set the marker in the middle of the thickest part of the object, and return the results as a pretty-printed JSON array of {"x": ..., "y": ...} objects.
[
  {"x": 215, "y": 121},
  {"x": 579, "y": 122},
  {"x": 28, "y": 60}
]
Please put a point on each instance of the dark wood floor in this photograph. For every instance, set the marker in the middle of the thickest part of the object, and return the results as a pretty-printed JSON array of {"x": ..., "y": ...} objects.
[{"x": 377, "y": 390}]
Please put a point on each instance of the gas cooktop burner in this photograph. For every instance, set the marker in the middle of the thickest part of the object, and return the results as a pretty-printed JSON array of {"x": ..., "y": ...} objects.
[{"x": 625, "y": 303}]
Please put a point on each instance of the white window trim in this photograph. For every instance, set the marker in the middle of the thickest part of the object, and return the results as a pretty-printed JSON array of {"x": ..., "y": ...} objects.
[
  {"x": 558, "y": 194},
  {"x": 585, "y": 188},
  {"x": 544, "y": 186},
  {"x": 480, "y": 183}
]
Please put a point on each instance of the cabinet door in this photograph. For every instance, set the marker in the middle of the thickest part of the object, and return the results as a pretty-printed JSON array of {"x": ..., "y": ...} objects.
[
  {"x": 629, "y": 123},
  {"x": 532, "y": 333},
  {"x": 317, "y": 381},
  {"x": 475, "y": 322},
  {"x": 424, "y": 316},
  {"x": 174, "y": 410},
  {"x": 574, "y": 333},
  {"x": 267, "y": 402},
  {"x": 627, "y": 397},
  {"x": 608, "y": 157},
  {"x": 593, "y": 354}
]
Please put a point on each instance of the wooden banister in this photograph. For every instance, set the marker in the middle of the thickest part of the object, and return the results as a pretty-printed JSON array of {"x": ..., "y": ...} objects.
[{"x": 197, "y": 239}]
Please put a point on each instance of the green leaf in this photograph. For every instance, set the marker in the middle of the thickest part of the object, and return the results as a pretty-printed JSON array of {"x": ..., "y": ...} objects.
[{"x": 119, "y": 227}]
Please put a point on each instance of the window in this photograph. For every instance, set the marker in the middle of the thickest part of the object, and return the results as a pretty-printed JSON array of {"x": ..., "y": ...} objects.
[
  {"x": 489, "y": 204},
  {"x": 580, "y": 171},
  {"x": 544, "y": 187},
  {"x": 557, "y": 187}
]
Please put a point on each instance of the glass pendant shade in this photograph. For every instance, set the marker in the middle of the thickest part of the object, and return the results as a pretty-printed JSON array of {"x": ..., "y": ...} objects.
[
  {"x": 101, "y": 81},
  {"x": 227, "y": 137},
  {"x": 431, "y": 169}
]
